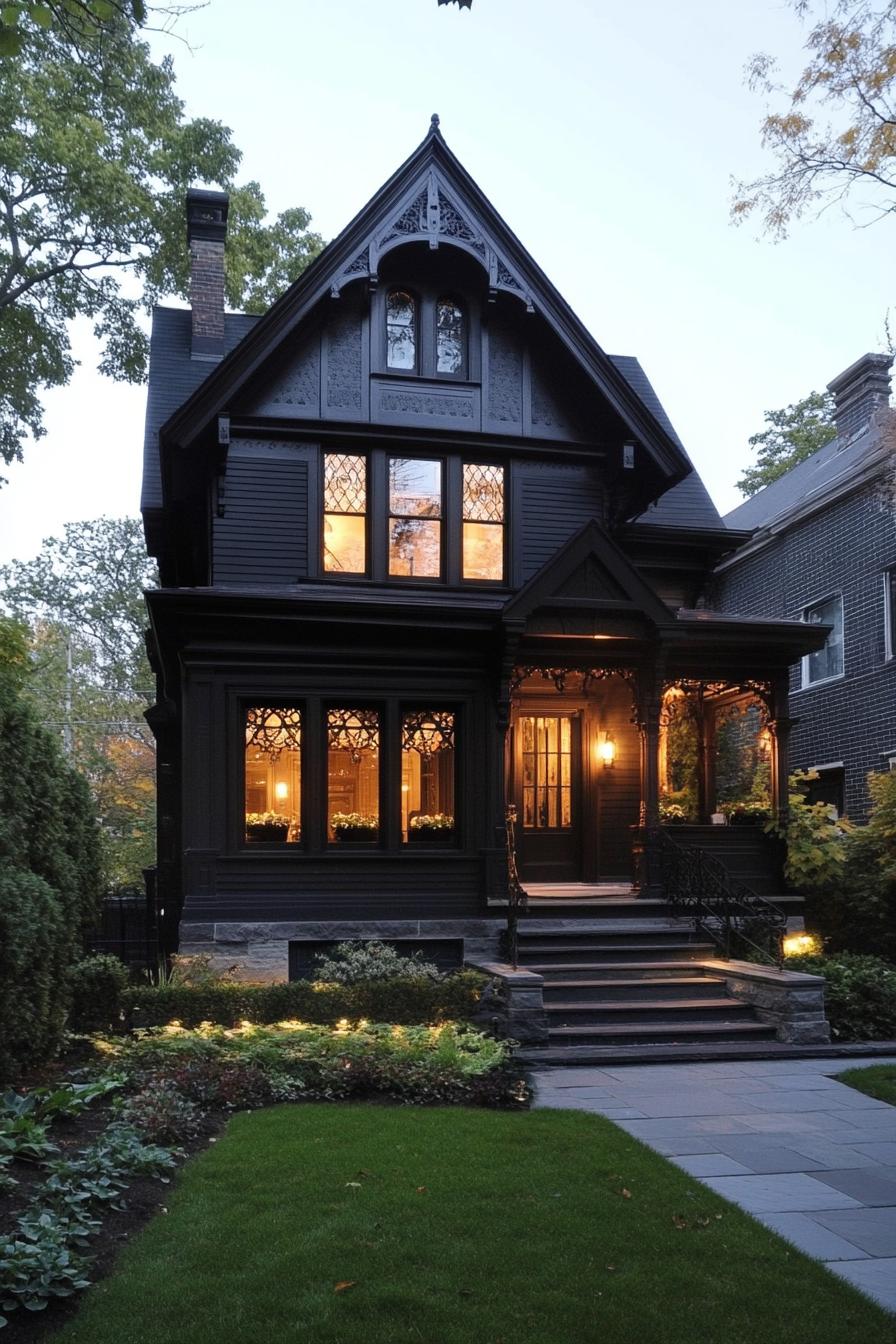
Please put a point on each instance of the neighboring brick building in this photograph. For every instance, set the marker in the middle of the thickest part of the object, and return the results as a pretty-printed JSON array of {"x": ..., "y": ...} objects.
[{"x": 824, "y": 549}]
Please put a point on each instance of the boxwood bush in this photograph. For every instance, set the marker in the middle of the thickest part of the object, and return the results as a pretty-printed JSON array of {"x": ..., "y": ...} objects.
[
  {"x": 34, "y": 953},
  {"x": 405, "y": 1001},
  {"x": 860, "y": 994},
  {"x": 97, "y": 984}
]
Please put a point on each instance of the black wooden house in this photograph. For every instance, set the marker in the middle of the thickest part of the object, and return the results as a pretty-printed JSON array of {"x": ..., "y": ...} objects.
[{"x": 426, "y": 551}]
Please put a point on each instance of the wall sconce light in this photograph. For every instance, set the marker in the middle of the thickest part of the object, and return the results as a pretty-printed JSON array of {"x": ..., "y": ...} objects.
[
  {"x": 281, "y": 791},
  {"x": 606, "y": 750}
]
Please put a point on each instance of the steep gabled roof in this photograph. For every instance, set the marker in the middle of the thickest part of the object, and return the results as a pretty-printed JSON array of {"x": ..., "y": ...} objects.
[{"x": 430, "y": 197}]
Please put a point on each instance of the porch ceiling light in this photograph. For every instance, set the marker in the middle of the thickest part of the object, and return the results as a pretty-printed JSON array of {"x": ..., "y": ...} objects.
[{"x": 606, "y": 750}]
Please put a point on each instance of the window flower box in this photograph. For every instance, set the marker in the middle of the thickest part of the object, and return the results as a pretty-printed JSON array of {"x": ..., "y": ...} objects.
[
  {"x": 269, "y": 826},
  {"x": 351, "y": 827},
  {"x": 437, "y": 829}
]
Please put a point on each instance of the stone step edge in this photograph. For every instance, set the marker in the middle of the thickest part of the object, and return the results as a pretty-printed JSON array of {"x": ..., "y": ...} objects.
[
  {"x": 659, "y": 1028},
  {"x": 650, "y": 1005},
  {"x": 566, "y": 1056}
]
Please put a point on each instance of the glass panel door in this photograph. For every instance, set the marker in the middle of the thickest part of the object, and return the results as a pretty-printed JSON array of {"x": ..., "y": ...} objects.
[{"x": 547, "y": 771}]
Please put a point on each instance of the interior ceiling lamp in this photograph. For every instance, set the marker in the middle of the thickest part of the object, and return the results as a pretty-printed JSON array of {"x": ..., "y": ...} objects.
[
  {"x": 354, "y": 731},
  {"x": 273, "y": 730},
  {"x": 428, "y": 733},
  {"x": 606, "y": 750}
]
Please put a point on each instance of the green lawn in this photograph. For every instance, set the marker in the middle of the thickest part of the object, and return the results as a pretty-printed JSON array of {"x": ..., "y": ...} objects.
[
  {"x": 877, "y": 1080},
  {"x": 457, "y": 1227}
]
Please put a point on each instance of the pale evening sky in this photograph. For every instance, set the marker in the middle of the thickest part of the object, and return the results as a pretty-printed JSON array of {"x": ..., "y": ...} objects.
[{"x": 604, "y": 135}]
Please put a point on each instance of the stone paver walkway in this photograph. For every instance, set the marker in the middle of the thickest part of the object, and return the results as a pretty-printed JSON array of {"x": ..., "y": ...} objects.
[{"x": 805, "y": 1154}]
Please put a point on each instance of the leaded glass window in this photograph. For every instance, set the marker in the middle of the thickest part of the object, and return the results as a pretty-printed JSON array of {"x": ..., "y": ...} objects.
[
  {"x": 353, "y": 774},
  {"x": 401, "y": 330},
  {"x": 273, "y": 774},
  {"x": 449, "y": 337},
  {"x": 483, "y": 522},
  {"x": 345, "y": 513},
  {"x": 415, "y": 509},
  {"x": 427, "y": 776}
]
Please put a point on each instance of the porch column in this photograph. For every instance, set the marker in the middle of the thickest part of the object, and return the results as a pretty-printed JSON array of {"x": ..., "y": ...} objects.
[
  {"x": 707, "y": 759},
  {"x": 650, "y": 703},
  {"x": 779, "y": 727},
  {"x": 497, "y": 771}
]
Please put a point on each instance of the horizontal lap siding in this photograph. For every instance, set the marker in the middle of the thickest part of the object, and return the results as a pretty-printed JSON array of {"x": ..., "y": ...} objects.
[
  {"x": 438, "y": 889},
  {"x": 263, "y": 535},
  {"x": 553, "y": 503}
]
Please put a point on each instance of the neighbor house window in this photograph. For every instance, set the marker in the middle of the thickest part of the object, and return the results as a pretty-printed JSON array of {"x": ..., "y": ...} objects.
[
  {"x": 890, "y": 614},
  {"x": 401, "y": 330},
  {"x": 427, "y": 776},
  {"x": 415, "y": 511},
  {"x": 827, "y": 662},
  {"x": 449, "y": 337},
  {"x": 353, "y": 774},
  {"x": 345, "y": 513},
  {"x": 483, "y": 522},
  {"x": 273, "y": 774}
]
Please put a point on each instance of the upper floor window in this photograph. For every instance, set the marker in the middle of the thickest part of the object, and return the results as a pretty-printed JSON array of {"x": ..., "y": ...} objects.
[
  {"x": 827, "y": 663},
  {"x": 345, "y": 514},
  {"x": 449, "y": 337},
  {"x": 401, "y": 330},
  {"x": 890, "y": 614},
  {"x": 483, "y": 522},
  {"x": 415, "y": 512}
]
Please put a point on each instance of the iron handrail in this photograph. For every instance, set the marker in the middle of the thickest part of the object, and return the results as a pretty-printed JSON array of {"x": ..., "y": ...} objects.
[
  {"x": 721, "y": 906},
  {"x": 517, "y": 896}
]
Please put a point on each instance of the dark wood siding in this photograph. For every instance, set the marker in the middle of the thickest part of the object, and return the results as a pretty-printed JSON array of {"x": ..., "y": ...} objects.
[
  {"x": 263, "y": 534},
  {"x": 551, "y": 503}
]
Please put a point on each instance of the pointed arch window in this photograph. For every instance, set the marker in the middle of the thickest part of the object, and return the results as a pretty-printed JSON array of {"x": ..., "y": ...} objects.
[
  {"x": 449, "y": 337},
  {"x": 401, "y": 330}
]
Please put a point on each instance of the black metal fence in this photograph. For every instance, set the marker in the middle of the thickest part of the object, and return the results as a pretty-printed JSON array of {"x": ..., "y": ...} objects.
[{"x": 129, "y": 926}]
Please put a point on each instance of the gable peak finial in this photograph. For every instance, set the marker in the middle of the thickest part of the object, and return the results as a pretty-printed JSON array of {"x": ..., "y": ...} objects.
[{"x": 434, "y": 123}]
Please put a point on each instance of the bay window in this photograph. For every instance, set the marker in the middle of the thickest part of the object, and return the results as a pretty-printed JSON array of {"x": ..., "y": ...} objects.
[
  {"x": 273, "y": 774},
  {"x": 483, "y": 522},
  {"x": 415, "y": 512},
  {"x": 345, "y": 514}
]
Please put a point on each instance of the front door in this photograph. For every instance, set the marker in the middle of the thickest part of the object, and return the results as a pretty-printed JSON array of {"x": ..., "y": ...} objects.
[{"x": 547, "y": 788}]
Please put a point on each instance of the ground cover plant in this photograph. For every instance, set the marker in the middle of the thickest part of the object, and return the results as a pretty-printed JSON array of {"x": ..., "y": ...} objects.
[
  {"x": 360, "y": 1225},
  {"x": 877, "y": 1080}
]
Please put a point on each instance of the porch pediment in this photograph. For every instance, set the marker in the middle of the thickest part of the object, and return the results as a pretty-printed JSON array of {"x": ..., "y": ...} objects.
[{"x": 588, "y": 579}]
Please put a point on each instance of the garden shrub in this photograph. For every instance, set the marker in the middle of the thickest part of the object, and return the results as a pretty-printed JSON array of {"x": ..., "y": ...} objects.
[
  {"x": 816, "y": 841},
  {"x": 96, "y": 984},
  {"x": 860, "y": 994},
  {"x": 404, "y": 1001},
  {"x": 353, "y": 963},
  {"x": 162, "y": 1114},
  {"x": 34, "y": 956}
]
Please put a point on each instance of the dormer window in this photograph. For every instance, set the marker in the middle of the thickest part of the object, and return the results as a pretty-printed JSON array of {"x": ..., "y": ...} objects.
[
  {"x": 449, "y": 337},
  {"x": 401, "y": 330}
]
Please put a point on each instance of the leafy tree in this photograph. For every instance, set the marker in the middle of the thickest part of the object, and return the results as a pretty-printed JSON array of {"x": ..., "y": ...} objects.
[
  {"x": 90, "y": 682},
  {"x": 836, "y": 133},
  {"x": 95, "y": 159},
  {"x": 78, "y": 21},
  {"x": 792, "y": 434}
]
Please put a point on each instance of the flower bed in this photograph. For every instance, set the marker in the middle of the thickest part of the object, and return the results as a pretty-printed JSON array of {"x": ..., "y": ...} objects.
[{"x": 71, "y": 1153}]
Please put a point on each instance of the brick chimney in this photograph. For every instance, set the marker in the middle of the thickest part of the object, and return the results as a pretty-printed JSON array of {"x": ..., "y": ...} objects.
[
  {"x": 859, "y": 391},
  {"x": 206, "y": 232}
]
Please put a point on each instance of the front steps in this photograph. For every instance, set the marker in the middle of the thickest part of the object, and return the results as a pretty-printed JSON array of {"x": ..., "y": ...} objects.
[{"x": 639, "y": 984}]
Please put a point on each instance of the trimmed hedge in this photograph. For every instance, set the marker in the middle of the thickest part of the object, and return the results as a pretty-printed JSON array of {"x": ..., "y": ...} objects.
[
  {"x": 860, "y": 994},
  {"x": 405, "y": 1002},
  {"x": 34, "y": 956}
]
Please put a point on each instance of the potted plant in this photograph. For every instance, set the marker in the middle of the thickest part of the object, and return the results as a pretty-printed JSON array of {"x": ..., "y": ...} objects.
[
  {"x": 437, "y": 827},
  {"x": 266, "y": 826},
  {"x": 354, "y": 826},
  {"x": 672, "y": 814},
  {"x": 748, "y": 814}
]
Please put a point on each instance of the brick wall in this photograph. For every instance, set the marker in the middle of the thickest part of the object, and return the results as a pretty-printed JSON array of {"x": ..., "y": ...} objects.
[
  {"x": 846, "y": 549},
  {"x": 207, "y": 289}
]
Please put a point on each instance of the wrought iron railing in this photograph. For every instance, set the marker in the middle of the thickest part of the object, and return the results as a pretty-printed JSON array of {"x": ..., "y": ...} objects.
[
  {"x": 517, "y": 896},
  {"x": 729, "y": 912}
]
